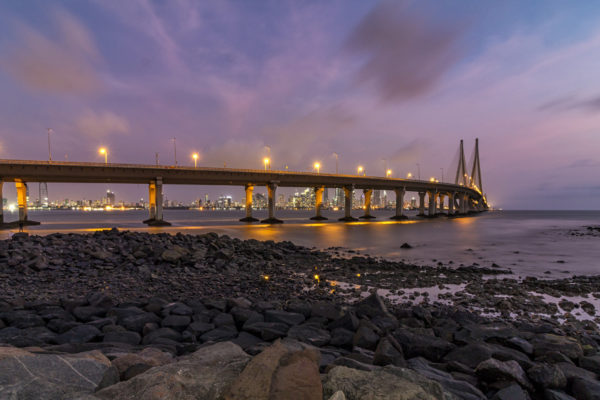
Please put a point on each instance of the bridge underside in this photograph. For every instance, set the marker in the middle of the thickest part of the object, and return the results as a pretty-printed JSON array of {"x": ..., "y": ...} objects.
[{"x": 443, "y": 198}]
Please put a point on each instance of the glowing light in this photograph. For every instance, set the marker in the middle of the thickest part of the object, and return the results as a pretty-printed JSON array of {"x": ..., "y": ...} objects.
[
  {"x": 267, "y": 162},
  {"x": 12, "y": 207},
  {"x": 266, "y": 277},
  {"x": 317, "y": 277},
  {"x": 358, "y": 275},
  {"x": 317, "y": 166},
  {"x": 432, "y": 179},
  {"x": 360, "y": 170},
  {"x": 108, "y": 208},
  {"x": 104, "y": 152},
  {"x": 388, "y": 173},
  {"x": 409, "y": 175},
  {"x": 195, "y": 157}
]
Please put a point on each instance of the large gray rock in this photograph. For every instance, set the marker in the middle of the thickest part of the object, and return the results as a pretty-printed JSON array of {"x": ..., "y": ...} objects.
[
  {"x": 25, "y": 375},
  {"x": 309, "y": 333},
  {"x": 387, "y": 383},
  {"x": 206, "y": 374},
  {"x": 546, "y": 342},
  {"x": 585, "y": 389},
  {"x": 512, "y": 392},
  {"x": 591, "y": 363},
  {"x": 415, "y": 345},
  {"x": 547, "y": 376},
  {"x": 493, "y": 370},
  {"x": 470, "y": 355}
]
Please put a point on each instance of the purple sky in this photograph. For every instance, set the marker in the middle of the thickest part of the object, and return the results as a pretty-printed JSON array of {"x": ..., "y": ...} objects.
[{"x": 402, "y": 81}]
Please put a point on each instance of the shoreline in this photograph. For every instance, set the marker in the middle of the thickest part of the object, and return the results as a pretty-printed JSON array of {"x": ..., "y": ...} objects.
[{"x": 469, "y": 327}]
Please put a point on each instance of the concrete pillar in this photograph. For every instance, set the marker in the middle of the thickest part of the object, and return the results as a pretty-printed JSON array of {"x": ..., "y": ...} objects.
[
  {"x": 271, "y": 190},
  {"x": 155, "y": 204},
  {"x": 249, "y": 217},
  {"x": 399, "y": 204},
  {"x": 348, "y": 190},
  {"x": 451, "y": 203},
  {"x": 464, "y": 203},
  {"x": 1, "y": 210},
  {"x": 368, "y": 194},
  {"x": 22, "y": 200},
  {"x": 441, "y": 197},
  {"x": 431, "y": 210},
  {"x": 421, "y": 204},
  {"x": 318, "y": 204}
]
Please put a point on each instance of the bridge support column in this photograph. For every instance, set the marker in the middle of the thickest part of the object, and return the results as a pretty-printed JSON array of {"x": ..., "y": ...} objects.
[
  {"x": 399, "y": 204},
  {"x": 421, "y": 204},
  {"x": 464, "y": 203},
  {"x": 451, "y": 196},
  {"x": 318, "y": 204},
  {"x": 348, "y": 190},
  {"x": 1, "y": 210},
  {"x": 441, "y": 198},
  {"x": 249, "y": 217},
  {"x": 155, "y": 204},
  {"x": 368, "y": 194},
  {"x": 22, "y": 202},
  {"x": 432, "y": 204},
  {"x": 271, "y": 190}
]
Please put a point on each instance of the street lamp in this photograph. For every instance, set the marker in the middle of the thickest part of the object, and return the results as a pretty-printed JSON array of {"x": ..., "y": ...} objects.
[
  {"x": 317, "y": 167},
  {"x": 49, "y": 153},
  {"x": 360, "y": 170},
  {"x": 175, "y": 149},
  {"x": 388, "y": 173},
  {"x": 267, "y": 162},
  {"x": 195, "y": 157},
  {"x": 105, "y": 153},
  {"x": 409, "y": 175},
  {"x": 432, "y": 179},
  {"x": 336, "y": 155},
  {"x": 419, "y": 171}
]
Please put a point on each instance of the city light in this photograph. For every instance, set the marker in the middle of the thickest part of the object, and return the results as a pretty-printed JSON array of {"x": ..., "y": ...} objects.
[
  {"x": 432, "y": 179},
  {"x": 104, "y": 151},
  {"x": 409, "y": 175},
  {"x": 195, "y": 157},
  {"x": 388, "y": 173},
  {"x": 317, "y": 166},
  {"x": 360, "y": 170},
  {"x": 267, "y": 162}
]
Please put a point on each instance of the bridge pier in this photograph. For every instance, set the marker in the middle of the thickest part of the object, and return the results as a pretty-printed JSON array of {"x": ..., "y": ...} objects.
[
  {"x": 1, "y": 209},
  {"x": 249, "y": 217},
  {"x": 421, "y": 204},
  {"x": 368, "y": 194},
  {"x": 432, "y": 204},
  {"x": 271, "y": 190},
  {"x": 451, "y": 196},
  {"x": 464, "y": 204},
  {"x": 155, "y": 204},
  {"x": 348, "y": 205},
  {"x": 441, "y": 197},
  {"x": 318, "y": 204},
  {"x": 22, "y": 201},
  {"x": 399, "y": 204}
]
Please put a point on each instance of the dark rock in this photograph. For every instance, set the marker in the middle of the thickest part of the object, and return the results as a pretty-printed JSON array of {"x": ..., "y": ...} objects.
[
  {"x": 243, "y": 315},
  {"x": 386, "y": 353},
  {"x": 129, "y": 337},
  {"x": 78, "y": 334},
  {"x": 405, "y": 246},
  {"x": 556, "y": 395},
  {"x": 493, "y": 370},
  {"x": 176, "y": 322},
  {"x": 309, "y": 333},
  {"x": 199, "y": 328},
  {"x": 470, "y": 355},
  {"x": 571, "y": 372},
  {"x": 134, "y": 370},
  {"x": 584, "y": 389},
  {"x": 352, "y": 363},
  {"x": 220, "y": 334},
  {"x": 22, "y": 319},
  {"x": 299, "y": 307},
  {"x": 285, "y": 317},
  {"x": 372, "y": 306},
  {"x": 218, "y": 304},
  {"x": 223, "y": 319},
  {"x": 512, "y": 392},
  {"x": 246, "y": 340},
  {"x": 553, "y": 357},
  {"x": 161, "y": 333},
  {"x": 341, "y": 337},
  {"x": 87, "y": 313},
  {"x": 430, "y": 347},
  {"x": 267, "y": 330},
  {"x": 519, "y": 344},
  {"x": 61, "y": 325},
  {"x": 507, "y": 354},
  {"x": 546, "y": 342},
  {"x": 591, "y": 363},
  {"x": 547, "y": 376},
  {"x": 136, "y": 322},
  {"x": 99, "y": 299},
  {"x": 365, "y": 337},
  {"x": 326, "y": 309}
]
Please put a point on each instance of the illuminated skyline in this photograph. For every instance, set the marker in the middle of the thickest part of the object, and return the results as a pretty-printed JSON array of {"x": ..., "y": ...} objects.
[{"x": 295, "y": 82}]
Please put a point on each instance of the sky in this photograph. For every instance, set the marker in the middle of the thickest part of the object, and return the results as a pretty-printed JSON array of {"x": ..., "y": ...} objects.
[{"x": 380, "y": 83}]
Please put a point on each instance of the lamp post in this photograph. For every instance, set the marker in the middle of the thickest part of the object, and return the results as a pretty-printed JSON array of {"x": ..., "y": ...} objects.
[
  {"x": 104, "y": 151},
  {"x": 388, "y": 173},
  {"x": 418, "y": 171},
  {"x": 267, "y": 162},
  {"x": 175, "y": 149},
  {"x": 317, "y": 166},
  {"x": 360, "y": 170},
  {"x": 49, "y": 152},
  {"x": 442, "y": 174},
  {"x": 409, "y": 175},
  {"x": 195, "y": 157},
  {"x": 336, "y": 162}
]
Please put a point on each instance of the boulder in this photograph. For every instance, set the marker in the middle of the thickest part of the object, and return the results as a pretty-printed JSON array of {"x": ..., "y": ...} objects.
[
  {"x": 267, "y": 330},
  {"x": 470, "y": 355},
  {"x": 309, "y": 333},
  {"x": 25, "y": 375},
  {"x": 176, "y": 322},
  {"x": 136, "y": 322},
  {"x": 591, "y": 363},
  {"x": 556, "y": 395},
  {"x": 149, "y": 357},
  {"x": 205, "y": 374},
  {"x": 289, "y": 318},
  {"x": 123, "y": 337},
  {"x": 545, "y": 342},
  {"x": 373, "y": 306},
  {"x": 365, "y": 337},
  {"x": 493, "y": 370},
  {"x": 219, "y": 334},
  {"x": 415, "y": 345},
  {"x": 78, "y": 334},
  {"x": 386, "y": 353},
  {"x": 341, "y": 337},
  {"x": 511, "y": 392},
  {"x": 387, "y": 383},
  {"x": 585, "y": 389},
  {"x": 547, "y": 376}
]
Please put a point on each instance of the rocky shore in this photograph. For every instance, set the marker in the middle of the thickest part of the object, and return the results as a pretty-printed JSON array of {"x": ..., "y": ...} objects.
[{"x": 122, "y": 315}]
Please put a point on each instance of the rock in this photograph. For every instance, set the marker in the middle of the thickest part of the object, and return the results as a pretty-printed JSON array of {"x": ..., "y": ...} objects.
[
  {"x": 545, "y": 342},
  {"x": 512, "y": 392},
  {"x": 365, "y": 337},
  {"x": 223, "y": 319},
  {"x": 386, "y": 353},
  {"x": 430, "y": 347},
  {"x": 219, "y": 334},
  {"x": 459, "y": 388},
  {"x": 36, "y": 336},
  {"x": 588, "y": 307},
  {"x": 309, "y": 333},
  {"x": 547, "y": 376},
  {"x": 242, "y": 316},
  {"x": 246, "y": 340},
  {"x": 86, "y": 314},
  {"x": 206, "y": 374},
  {"x": 389, "y": 383},
  {"x": 25, "y": 375},
  {"x": 591, "y": 363},
  {"x": 339, "y": 395},
  {"x": 584, "y": 389},
  {"x": 22, "y": 319},
  {"x": 405, "y": 246},
  {"x": 199, "y": 328},
  {"x": 348, "y": 321},
  {"x": 99, "y": 299},
  {"x": 129, "y": 337},
  {"x": 520, "y": 344},
  {"x": 279, "y": 373},
  {"x": 78, "y": 334},
  {"x": 136, "y": 322},
  {"x": 267, "y": 330},
  {"x": 341, "y": 337},
  {"x": 470, "y": 355},
  {"x": 285, "y": 317},
  {"x": 149, "y": 357},
  {"x": 176, "y": 322},
  {"x": 345, "y": 361},
  {"x": 326, "y": 309},
  {"x": 173, "y": 255},
  {"x": 571, "y": 371},
  {"x": 493, "y": 370},
  {"x": 556, "y": 395},
  {"x": 161, "y": 333},
  {"x": 372, "y": 306}
]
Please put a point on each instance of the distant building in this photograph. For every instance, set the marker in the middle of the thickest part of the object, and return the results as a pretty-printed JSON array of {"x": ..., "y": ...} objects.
[{"x": 109, "y": 200}]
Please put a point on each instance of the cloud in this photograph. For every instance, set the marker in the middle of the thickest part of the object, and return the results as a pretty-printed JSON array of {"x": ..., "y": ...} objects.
[
  {"x": 405, "y": 53},
  {"x": 100, "y": 125},
  {"x": 62, "y": 65},
  {"x": 572, "y": 103}
]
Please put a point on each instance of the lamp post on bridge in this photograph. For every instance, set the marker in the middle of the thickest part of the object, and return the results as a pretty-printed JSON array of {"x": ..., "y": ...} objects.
[
  {"x": 336, "y": 155},
  {"x": 175, "y": 149},
  {"x": 418, "y": 171},
  {"x": 49, "y": 152},
  {"x": 195, "y": 157},
  {"x": 104, "y": 151}
]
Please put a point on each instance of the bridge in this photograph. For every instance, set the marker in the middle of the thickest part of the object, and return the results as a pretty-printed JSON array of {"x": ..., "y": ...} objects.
[{"x": 462, "y": 197}]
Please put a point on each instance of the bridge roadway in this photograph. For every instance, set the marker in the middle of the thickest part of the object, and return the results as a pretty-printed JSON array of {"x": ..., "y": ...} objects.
[{"x": 461, "y": 199}]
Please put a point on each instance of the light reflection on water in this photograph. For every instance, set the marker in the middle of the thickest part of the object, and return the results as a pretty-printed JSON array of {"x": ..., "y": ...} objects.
[{"x": 529, "y": 242}]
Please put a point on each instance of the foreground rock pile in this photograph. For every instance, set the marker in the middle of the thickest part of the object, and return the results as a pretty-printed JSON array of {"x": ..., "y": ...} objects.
[{"x": 93, "y": 348}]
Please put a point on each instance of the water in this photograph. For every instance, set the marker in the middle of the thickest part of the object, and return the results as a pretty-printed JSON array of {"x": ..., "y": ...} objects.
[{"x": 528, "y": 242}]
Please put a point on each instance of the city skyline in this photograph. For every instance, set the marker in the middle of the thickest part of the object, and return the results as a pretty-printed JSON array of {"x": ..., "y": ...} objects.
[{"x": 235, "y": 83}]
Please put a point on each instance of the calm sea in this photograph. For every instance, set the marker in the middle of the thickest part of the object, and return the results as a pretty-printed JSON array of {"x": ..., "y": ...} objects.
[{"x": 528, "y": 242}]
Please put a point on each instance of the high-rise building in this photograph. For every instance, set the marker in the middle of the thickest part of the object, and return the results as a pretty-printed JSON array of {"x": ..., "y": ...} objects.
[{"x": 110, "y": 198}]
